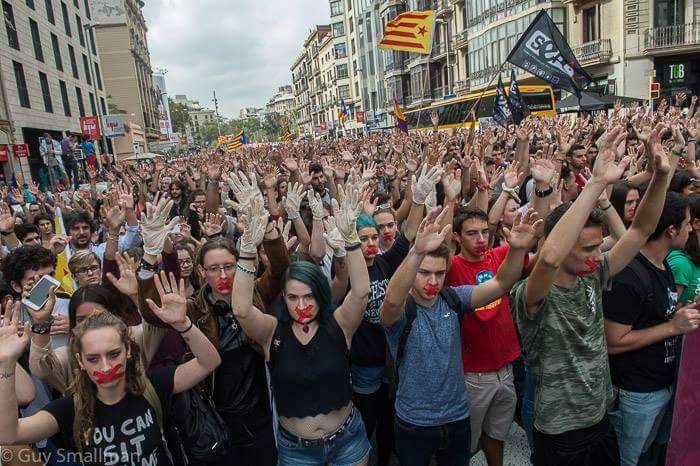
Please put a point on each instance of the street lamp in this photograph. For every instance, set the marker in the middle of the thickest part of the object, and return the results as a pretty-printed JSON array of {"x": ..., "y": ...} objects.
[
  {"x": 90, "y": 37},
  {"x": 447, "y": 41}
]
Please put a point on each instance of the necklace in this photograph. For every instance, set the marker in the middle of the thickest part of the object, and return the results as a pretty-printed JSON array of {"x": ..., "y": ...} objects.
[{"x": 305, "y": 329}]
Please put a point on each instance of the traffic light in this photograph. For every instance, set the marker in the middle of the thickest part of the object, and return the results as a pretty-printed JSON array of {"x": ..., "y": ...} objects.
[{"x": 654, "y": 90}]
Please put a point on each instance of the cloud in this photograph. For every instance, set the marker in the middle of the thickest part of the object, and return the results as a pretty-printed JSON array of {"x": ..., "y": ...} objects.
[{"x": 241, "y": 48}]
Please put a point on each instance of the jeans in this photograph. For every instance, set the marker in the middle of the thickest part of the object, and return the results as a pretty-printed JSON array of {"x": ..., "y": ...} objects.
[
  {"x": 72, "y": 171},
  {"x": 636, "y": 417},
  {"x": 525, "y": 389},
  {"x": 252, "y": 439},
  {"x": 449, "y": 443},
  {"x": 348, "y": 448},
  {"x": 377, "y": 412}
]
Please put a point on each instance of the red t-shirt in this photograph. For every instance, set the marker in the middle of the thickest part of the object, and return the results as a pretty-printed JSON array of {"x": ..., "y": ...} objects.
[{"x": 489, "y": 341}]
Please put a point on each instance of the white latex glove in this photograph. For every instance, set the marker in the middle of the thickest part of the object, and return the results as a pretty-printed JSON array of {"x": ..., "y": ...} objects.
[
  {"x": 154, "y": 227},
  {"x": 292, "y": 203},
  {"x": 315, "y": 204},
  {"x": 333, "y": 238},
  {"x": 346, "y": 213},
  {"x": 431, "y": 201},
  {"x": 254, "y": 224},
  {"x": 245, "y": 188},
  {"x": 426, "y": 183}
]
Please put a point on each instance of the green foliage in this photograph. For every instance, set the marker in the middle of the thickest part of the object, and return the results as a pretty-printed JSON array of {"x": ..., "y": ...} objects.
[{"x": 179, "y": 116}]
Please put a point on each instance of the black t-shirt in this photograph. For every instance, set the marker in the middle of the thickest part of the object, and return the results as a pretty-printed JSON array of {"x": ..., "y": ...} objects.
[
  {"x": 369, "y": 342},
  {"x": 126, "y": 433},
  {"x": 629, "y": 302}
]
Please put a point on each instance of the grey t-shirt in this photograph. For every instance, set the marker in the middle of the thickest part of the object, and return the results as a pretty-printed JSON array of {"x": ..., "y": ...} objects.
[
  {"x": 431, "y": 390},
  {"x": 566, "y": 349}
]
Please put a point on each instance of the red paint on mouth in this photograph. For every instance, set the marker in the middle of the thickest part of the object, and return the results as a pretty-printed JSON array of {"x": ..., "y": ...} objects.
[
  {"x": 481, "y": 249},
  {"x": 372, "y": 250},
  {"x": 388, "y": 236},
  {"x": 431, "y": 290},
  {"x": 115, "y": 373},
  {"x": 304, "y": 314},
  {"x": 224, "y": 285},
  {"x": 592, "y": 267}
]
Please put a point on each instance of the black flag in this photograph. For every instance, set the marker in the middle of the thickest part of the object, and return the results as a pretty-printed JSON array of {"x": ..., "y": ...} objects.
[
  {"x": 501, "y": 108},
  {"x": 517, "y": 103},
  {"x": 544, "y": 52}
]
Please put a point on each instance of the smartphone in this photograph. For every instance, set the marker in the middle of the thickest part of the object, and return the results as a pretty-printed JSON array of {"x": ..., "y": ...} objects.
[{"x": 40, "y": 293}]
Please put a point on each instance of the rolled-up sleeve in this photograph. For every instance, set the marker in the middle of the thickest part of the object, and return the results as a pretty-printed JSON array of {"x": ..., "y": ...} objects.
[
  {"x": 131, "y": 239},
  {"x": 51, "y": 367}
]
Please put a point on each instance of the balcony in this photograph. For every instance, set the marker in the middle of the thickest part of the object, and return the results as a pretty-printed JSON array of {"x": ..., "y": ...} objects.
[
  {"x": 461, "y": 87},
  {"x": 461, "y": 40},
  {"x": 417, "y": 59},
  {"x": 444, "y": 10},
  {"x": 594, "y": 52},
  {"x": 456, "y": 2},
  {"x": 668, "y": 39},
  {"x": 440, "y": 51}
]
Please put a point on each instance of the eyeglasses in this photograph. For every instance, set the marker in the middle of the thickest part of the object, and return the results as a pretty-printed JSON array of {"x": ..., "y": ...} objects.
[
  {"x": 184, "y": 261},
  {"x": 216, "y": 269},
  {"x": 84, "y": 271}
]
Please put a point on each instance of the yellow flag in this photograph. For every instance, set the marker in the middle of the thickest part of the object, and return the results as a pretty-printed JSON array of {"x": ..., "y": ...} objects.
[
  {"x": 63, "y": 274},
  {"x": 409, "y": 32}
]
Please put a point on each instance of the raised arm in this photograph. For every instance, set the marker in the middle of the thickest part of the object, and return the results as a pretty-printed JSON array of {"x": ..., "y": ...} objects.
[
  {"x": 173, "y": 311},
  {"x": 317, "y": 246},
  {"x": 349, "y": 314}
]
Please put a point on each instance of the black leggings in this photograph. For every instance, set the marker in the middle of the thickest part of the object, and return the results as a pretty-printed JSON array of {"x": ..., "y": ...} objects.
[
  {"x": 590, "y": 446},
  {"x": 377, "y": 411}
]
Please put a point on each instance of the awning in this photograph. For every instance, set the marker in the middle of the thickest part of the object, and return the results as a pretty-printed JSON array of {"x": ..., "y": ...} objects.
[{"x": 591, "y": 101}]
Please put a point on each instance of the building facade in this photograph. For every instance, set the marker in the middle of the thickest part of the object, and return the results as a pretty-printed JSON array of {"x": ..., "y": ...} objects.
[
  {"x": 282, "y": 102},
  {"x": 120, "y": 30},
  {"x": 50, "y": 75},
  {"x": 302, "y": 102}
]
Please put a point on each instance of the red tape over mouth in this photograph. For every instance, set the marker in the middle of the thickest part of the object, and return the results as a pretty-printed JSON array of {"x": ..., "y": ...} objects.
[
  {"x": 592, "y": 267},
  {"x": 372, "y": 250},
  {"x": 114, "y": 373},
  {"x": 388, "y": 236},
  {"x": 224, "y": 285},
  {"x": 481, "y": 249},
  {"x": 305, "y": 313},
  {"x": 431, "y": 290}
]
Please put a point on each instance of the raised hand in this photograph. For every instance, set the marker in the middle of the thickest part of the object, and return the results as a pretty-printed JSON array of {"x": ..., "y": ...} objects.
[
  {"x": 452, "y": 184},
  {"x": 7, "y": 219},
  {"x": 542, "y": 170},
  {"x": 254, "y": 225},
  {"x": 245, "y": 188},
  {"x": 525, "y": 231},
  {"x": 58, "y": 243},
  {"x": 333, "y": 238},
  {"x": 213, "y": 224},
  {"x": 292, "y": 202},
  {"x": 425, "y": 183},
  {"x": 429, "y": 235},
  {"x": 346, "y": 212},
  {"x": 605, "y": 167},
  {"x": 127, "y": 283},
  {"x": 285, "y": 228},
  {"x": 44, "y": 313},
  {"x": 155, "y": 226},
  {"x": 173, "y": 300},
  {"x": 11, "y": 344},
  {"x": 315, "y": 204}
]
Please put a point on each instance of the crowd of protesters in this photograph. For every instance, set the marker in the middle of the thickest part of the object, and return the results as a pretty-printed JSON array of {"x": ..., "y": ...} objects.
[{"x": 413, "y": 294}]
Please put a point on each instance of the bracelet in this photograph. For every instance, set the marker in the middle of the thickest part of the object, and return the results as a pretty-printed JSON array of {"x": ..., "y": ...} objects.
[
  {"x": 187, "y": 329},
  {"x": 692, "y": 141},
  {"x": 249, "y": 258},
  {"x": 353, "y": 247},
  {"x": 544, "y": 193},
  {"x": 244, "y": 269},
  {"x": 606, "y": 207},
  {"x": 506, "y": 189},
  {"x": 677, "y": 153}
]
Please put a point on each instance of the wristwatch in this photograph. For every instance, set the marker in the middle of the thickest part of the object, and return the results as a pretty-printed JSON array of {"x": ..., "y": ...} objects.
[
  {"x": 544, "y": 193},
  {"x": 42, "y": 328},
  {"x": 148, "y": 266}
]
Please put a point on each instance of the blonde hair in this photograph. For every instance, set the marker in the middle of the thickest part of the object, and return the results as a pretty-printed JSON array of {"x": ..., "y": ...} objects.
[
  {"x": 82, "y": 259},
  {"x": 83, "y": 389}
]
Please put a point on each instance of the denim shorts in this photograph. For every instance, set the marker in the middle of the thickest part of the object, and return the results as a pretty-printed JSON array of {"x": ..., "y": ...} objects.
[{"x": 348, "y": 448}]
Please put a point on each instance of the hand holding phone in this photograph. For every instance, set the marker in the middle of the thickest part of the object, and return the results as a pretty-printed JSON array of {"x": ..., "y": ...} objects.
[{"x": 39, "y": 295}]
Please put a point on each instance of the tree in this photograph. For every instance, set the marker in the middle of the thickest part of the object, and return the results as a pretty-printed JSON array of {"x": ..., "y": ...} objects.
[{"x": 178, "y": 116}]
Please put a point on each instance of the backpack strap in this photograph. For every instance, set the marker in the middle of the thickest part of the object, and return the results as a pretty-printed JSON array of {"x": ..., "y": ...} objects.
[
  {"x": 450, "y": 296},
  {"x": 644, "y": 277}
]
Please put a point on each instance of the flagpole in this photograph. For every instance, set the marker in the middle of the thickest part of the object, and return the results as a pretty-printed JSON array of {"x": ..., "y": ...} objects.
[{"x": 488, "y": 85}]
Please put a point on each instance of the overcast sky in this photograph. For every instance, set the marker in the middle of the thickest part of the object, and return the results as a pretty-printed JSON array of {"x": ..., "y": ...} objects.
[{"x": 241, "y": 48}]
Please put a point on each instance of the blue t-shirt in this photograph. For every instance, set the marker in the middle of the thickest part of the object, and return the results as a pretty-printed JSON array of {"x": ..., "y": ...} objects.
[{"x": 431, "y": 390}]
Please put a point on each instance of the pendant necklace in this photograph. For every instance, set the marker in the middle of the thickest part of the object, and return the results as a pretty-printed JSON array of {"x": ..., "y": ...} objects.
[{"x": 305, "y": 328}]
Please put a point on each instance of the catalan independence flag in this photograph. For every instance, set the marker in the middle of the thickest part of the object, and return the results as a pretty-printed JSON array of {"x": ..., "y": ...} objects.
[
  {"x": 400, "y": 118},
  {"x": 238, "y": 141},
  {"x": 409, "y": 32},
  {"x": 343, "y": 111},
  {"x": 62, "y": 271},
  {"x": 287, "y": 135},
  {"x": 221, "y": 139}
]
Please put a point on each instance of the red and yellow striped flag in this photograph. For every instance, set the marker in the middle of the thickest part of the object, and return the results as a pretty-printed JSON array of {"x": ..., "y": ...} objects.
[{"x": 409, "y": 32}]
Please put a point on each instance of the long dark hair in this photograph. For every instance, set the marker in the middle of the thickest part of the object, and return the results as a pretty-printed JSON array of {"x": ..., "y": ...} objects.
[
  {"x": 692, "y": 246},
  {"x": 618, "y": 198},
  {"x": 101, "y": 295},
  {"x": 311, "y": 275}
]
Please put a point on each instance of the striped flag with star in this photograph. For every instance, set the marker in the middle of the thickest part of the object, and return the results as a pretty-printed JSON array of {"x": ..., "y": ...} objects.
[
  {"x": 287, "y": 135},
  {"x": 409, "y": 32},
  {"x": 237, "y": 142}
]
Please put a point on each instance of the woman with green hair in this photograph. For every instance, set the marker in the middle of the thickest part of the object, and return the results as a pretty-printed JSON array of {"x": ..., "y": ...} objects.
[{"x": 307, "y": 346}]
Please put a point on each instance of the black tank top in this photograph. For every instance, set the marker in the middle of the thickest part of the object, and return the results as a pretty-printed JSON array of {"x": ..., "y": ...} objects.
[{"x": 311, "y": 379}]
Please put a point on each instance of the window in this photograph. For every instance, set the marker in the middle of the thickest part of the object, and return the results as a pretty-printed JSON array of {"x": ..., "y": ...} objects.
[
  {"x": 46, "y": 92},
  {"x": 338, "y": 29},
  {"x": 87, "y": 9},
  {"x": 341, "y": 71},
  {"x": 92, "y": 42},
  {"x": 73, "y": 62},
  {"x": 92, "y": 103},
  {"x": 30, "y": 4},
  {"x": 81, "y": 105},
  {"x": 352, "y": 25},
  {"x": 66, "y": 20},
  {"x": 590, "y": 24},
  {"x": 79, "y": 27},
  {"x": 98, "y": 78},
  {"x": 22, "y": 91},
  {"x": 103, "y": 106},
  {"x": 340, "y": 51},
  {"x": 344, "y": 91},
  {"x": 668, "y": 12},
  {"x": 86, "y": 70},
  {"x": 10, "y": 25},
  {"x": 56, "y": 52},
  {"x": 336, "y": 8},
  {"x": 36, "y": 40},
  {"x": 49, "y": 12},
  {"x": 64, "y": 98}
]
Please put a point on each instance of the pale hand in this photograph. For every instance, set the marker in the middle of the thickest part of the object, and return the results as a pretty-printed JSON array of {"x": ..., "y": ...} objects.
[
  {"x": 11, "y": 344},
  {"x": 254, "y": 225},
  {"x": 429, "y": 235},
  {"x": 524, "y": 233},
  {"x": 127, "y": 284},
  {"x": 173, "y": 300}
]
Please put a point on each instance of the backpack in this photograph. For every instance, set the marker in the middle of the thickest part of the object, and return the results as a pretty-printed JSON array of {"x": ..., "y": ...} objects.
[
  {"x": 644, "y": 277},
  {"x": 392, "y": 368}
]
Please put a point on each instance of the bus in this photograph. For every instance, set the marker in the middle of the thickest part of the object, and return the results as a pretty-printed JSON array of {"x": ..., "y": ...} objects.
[{"x": 453, "y": 113}]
